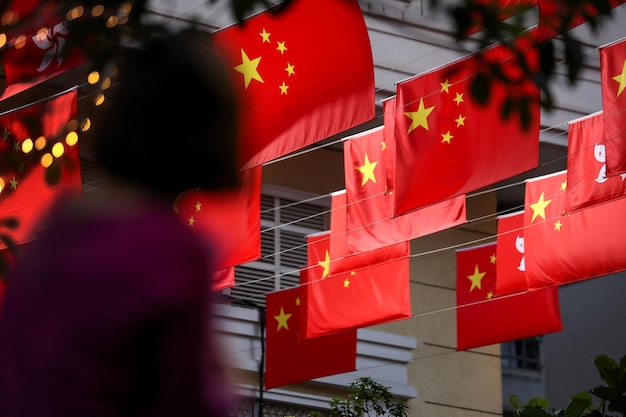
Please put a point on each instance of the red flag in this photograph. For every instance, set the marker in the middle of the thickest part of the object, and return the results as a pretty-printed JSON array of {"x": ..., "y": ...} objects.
[
  {"x": 483, "y": 319},
  {"x": 511, "y": 265},
  {"x": 375, "y": 294},
  {"x": 447, "y": 144},
  {"x": 338, "y": 225},
  {"x": 294, "y": 93},
  {"x": 26, "y": 194},
  {"x": 613, "y": 82},
  {"x": 223, "y": 278},
  {"x": 369, "y": 170},
  {"x": 34, "y": 55},
  {"x": 560, "y": 248},
  {"x": 587, "y": 182},
  {"x": 318, "y": 256},
  {"x": 553, "y": 13},
  {"x": 232, "y": 218},
  {"x": 291, "y": 358}
]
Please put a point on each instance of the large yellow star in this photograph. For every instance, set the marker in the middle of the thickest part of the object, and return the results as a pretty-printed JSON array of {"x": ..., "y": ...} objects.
[
  {"x": 325, "y": 264},
  {"x": 476, "y": 278},
  {"x": 419, "y": 117},
  {"x": 539, "y": 208},
  {"x": 367, "y": 169},
  {"x": 282, "y": 319},
  {"x": 248, "y": 68},
  {"x": 621, "y": 79}
]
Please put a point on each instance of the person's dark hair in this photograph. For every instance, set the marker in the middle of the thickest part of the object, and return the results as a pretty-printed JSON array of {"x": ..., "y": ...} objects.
[{"x": 171, "y": 121}]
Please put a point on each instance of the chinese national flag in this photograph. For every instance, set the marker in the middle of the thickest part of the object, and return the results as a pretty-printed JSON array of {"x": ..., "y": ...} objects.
[
  {"x": 562, "y": 248},
  {"x": 613, "y": 82},
  {"x": 290, "y": 357},
  {"x": 510, "y": 266},
  {"x": 369, "y": 170},
  {"x": 447, "y": 144},
  {"x": 338, "y": 224},
  {"x": 318, "y": 256},
  {"x": 359, "y": 297},
  {"x": 34, "y": 56},
  {"x": 223, "y": 278},
  {"x": 587, "y": 182},
  {"x": 300, "y": 82},
  {"x": 232, "y": 218},
  {"x": 552, "y": 15},
  {"x": 26, "y": 194},
  {"x": 484, "y": 319}
]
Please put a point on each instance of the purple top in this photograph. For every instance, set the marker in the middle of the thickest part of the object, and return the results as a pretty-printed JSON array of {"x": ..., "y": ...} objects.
[{"x": 110, "y": 317}]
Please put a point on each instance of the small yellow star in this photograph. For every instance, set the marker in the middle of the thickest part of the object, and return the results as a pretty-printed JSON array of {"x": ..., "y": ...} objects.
[
  {"x": 459, "y": 98},
  {"x": 446, "y": 137},
  {"x": 621, "y": 79},
  {"x": 383, "y": 145},
  {"x": 297, "y": 301},
  {"x": 191, "y": 221},
  {"x": 346, "y": 283},
  {"x": 445, "y": 86},
  {"x": 563, "y": 186},
  {"x": 460, "y": 121},
  {"x": 13, "y": 183},
  {"x": 5, "y": 134},
  {"x": 557, "y": 225},
  {"x": 281, "y": 47},
  {"x": 539, "y": 208},
  {"x": 419, "y": 117},
  {"x": 198, "y": 206},
  {"x": 325, "y": 264},
  {"x": 248, "y": 68},
  {"x": 367, "y": 169},
  {"x": 283, "y": 88},
  {"x": 265, "y": 36},
  {"x": 476, "y": 278},
  {"x": 291, "y": 69},
  {"x": 489, "y": 295},
  {"x": 492, "y": 258},
  {"x": 282, "y": 320}
]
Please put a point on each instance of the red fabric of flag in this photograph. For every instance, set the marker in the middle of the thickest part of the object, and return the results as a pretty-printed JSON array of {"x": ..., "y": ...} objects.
[
  {"x": 447, "y": 144},
  {"x": 318, "y": 256},
  {"x": 34, "y": 55},
  {"x": 587, "y": 182},
  {"x": 294, "y": 91},
  {"x": 290, "y": 358},
  {"x": 560, "y": 248},
  {"x": 223, "y": 278},
  {"x": 552, "y": 15},
  {"x": 511, "y": 264},
  {"x": 483, "y": 319},
  {"x": 231, "y": 218},
  {"x": 360, "y": 297},
  {"x": 613, "y": 84},
  {"x": 369, "y": 169},
  {"x": 503, "y": 9},
  {"x": 26, "y": 195}
]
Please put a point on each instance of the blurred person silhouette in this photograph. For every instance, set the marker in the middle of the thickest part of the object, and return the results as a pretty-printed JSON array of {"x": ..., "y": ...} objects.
[{"x": 109, "y": 310}]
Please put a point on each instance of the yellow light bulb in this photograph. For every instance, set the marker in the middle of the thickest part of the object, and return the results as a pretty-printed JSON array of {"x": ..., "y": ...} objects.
[
  {"x": 71, "y": 138},
  {"x": 58, "y": 149},
  {"x": 40, "y": 143},
  {"x": 27, "y": 145},
  {"x": 46, "y": 160}
]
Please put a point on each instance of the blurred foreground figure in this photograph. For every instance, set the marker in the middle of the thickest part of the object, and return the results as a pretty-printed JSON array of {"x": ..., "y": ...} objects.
[{"x": 108, "y": 312}]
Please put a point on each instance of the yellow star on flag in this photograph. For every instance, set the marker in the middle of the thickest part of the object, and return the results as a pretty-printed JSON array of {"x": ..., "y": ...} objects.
[
  {"x": 460, "y": 121},
  {"x": 557, "y": 225},
  {"x": 367, "y": 169},
  {"x": 539, "y": 208},
  {"x": 325, "y": 264},
  {"x": 265, "y": 36},
  {"x": 446, "y": 137},
  {"x": 291, "y": 69},
  {"x": 13, "y": 183},
  {"x": 419, "y": 117},
  {"x": 445, "y": 86},
  {"x": 458, "y": 98},
  {"x": 476, "y": 278},
  {"x": 492, "y": 259},
  {"x": 248, "y": 68},
  {"x": 283, "y": 88},
  {"x": 282, "y": 319},
  {"x": 281, "y": 47},
  {"x": 621, "y": 80},
  {"x": 191, "y": 221},
  {"x": 198, "y": 206}
]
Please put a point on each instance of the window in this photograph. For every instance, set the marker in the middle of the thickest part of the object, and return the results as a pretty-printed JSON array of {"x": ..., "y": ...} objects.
[
  {"x": 286, "y": 219},
  {"x": 522, "y": 354}
]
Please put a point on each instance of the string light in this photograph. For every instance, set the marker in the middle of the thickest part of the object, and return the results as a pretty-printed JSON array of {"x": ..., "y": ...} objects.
[
  {"x": 58, "y": 149},
  {"x": 99, "y": 99},
  {"x": 71, "y": 138},
  {"x": 86, "y": 125},
  {"x": 93, "y": 77},
  {"x": 1, "y": 185},
  {"x": 46, "y": 160},
  {"x": 3, "y": 40},
  {"x": 112, "y": 21},
  {"x": 40, "y": 143},
  {"x": 20, "y": 42},
  {"x": 27, "y": 145},
  {"x": 75, "y": 13},
  {"x": 97, "y": 10}
]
